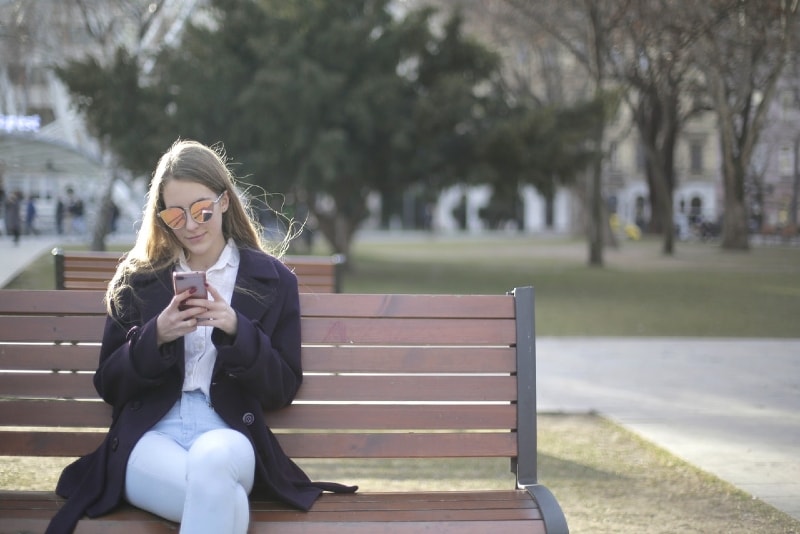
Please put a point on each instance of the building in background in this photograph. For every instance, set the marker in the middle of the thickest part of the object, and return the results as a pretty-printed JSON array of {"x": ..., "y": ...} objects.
[{"x": 45, "y": 148}]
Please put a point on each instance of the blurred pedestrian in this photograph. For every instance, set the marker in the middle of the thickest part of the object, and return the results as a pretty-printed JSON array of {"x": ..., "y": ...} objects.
[
  {"x": 60, "y": 216},
  {"x": 75, "y": 210},
  {"x": 30, "y": 216},
  {"x": 13, "y": 219}
]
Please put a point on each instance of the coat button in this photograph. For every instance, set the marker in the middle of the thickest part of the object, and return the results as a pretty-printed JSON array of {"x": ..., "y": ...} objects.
[
  {"x": 114, "y": 444},
  {"x": 248, "y": 418}
]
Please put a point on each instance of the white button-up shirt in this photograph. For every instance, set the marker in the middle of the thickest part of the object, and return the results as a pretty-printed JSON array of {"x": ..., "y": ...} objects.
[{"x": 200, "y": 354}]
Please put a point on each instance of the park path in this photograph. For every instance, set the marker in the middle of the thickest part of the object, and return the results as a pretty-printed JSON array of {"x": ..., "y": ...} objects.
[{"x": 728, "y": 406}]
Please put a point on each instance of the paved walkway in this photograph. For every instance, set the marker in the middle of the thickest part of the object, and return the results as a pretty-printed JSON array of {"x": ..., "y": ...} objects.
[
  {"x": 728, "y": 406},
  {"x": 15, "y": 258}
]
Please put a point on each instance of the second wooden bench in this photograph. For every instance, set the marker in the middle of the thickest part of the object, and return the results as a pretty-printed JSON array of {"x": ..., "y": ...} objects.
[{"x": 93, "y": 270}]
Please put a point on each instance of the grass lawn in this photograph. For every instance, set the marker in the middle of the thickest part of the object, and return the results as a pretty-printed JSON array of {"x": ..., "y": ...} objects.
[
  {"x": 701, "y": 291},
  {"x": 606, "y": 478}
]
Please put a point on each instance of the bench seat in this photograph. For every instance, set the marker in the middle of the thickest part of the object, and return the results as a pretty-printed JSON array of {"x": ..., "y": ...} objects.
[{"x": 401, "y": 512}]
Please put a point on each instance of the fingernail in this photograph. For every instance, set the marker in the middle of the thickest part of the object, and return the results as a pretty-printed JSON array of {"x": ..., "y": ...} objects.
[{"x": 192, "y": 290}]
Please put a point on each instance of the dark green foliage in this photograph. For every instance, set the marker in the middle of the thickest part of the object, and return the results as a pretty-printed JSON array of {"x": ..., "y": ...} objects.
[
  {"x": 119, "y": 110},
  {"x": 332, "y": 100}
]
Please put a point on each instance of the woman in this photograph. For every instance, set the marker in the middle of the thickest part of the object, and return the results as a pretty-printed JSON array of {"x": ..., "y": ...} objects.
[{"x": 188, "y": 440}]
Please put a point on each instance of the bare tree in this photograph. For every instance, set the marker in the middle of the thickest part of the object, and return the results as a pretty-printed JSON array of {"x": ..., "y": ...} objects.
[
  {"x": 741, "y": 55},
  {"x": 584, "y": 29},
  {"x": 139, "y": 27},
  {"x": 651, "y": 58}
]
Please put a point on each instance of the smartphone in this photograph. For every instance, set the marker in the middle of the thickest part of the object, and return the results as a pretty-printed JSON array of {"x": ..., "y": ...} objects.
[{"x": 184, "y": 280}]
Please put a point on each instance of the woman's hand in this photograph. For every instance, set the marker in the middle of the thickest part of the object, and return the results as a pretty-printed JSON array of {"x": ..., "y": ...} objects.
[
  {"x": 173, "y": 322},
  {"x": 217, "y": 312}
]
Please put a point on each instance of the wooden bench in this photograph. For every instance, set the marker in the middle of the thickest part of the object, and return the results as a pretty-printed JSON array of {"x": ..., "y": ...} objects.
[
  {"x": 93, "y": 270},
  {"x": 386, "y": 376}
]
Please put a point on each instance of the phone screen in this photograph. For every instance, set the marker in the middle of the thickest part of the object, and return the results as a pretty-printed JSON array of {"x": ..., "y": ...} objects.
[{"x": 185, "y": 280}]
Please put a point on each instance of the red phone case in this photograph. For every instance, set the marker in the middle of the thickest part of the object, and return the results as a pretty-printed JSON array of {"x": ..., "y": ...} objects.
[{"x": 185, "y": 280}]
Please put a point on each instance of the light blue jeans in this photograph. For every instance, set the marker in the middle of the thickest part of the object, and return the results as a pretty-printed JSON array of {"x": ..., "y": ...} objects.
[{"x": 193, "y": 469}]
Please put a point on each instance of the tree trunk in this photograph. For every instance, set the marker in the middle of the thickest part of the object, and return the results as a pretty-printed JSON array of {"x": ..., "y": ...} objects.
[
  {"x": 668, "y": 244},
  {"x": 734, "y": 220},
  {"x": 596, "y": 223},
  {"x": 793, "y": 205},
  {"x": 338, "y": 231}
]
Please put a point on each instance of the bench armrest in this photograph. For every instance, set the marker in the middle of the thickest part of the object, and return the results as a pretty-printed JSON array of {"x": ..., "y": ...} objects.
[{"x": 554, "y": 520}]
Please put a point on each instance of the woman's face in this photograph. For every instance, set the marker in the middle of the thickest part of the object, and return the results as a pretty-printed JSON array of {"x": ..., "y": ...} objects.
[{"x": 203, "y": 242}]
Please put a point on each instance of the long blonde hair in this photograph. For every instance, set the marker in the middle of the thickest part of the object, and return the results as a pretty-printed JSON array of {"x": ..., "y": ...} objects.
[{"x": 156, "y": 246}]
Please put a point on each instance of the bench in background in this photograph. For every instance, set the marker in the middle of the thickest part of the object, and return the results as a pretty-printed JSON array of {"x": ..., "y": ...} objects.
[
  {"x": 93, "y": 270},
  {"x": 386, "y": 376}
]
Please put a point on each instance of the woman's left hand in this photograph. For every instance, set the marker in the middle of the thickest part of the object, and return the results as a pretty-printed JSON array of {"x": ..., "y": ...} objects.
[{"x": 218, "y": 314}]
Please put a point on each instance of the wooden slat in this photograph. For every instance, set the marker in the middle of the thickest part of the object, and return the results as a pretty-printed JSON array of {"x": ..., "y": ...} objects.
[
  {"x": 87, "y": 275},
  {"x": 106, "y": 525},
  {"x": 316, "y": 359},
  {"x": 392, "y": 331},
  {"x": 47, "y": 385},
  {"x": 394, "y": 417},
  {"x": 400, "y": 513},
  {"x": 60, "y": 329},
  {"x": 68, "y": 413},
  {"x": 85, "y": 284},
  {"x": 53, "y": 302},
  {"x": 408, "y": 388},
  {"x": 297, "y": 445},
  {"x": 321, "y": 305},
  {"x": 339, "y": 388},
  {"x": 62, "y": 413},
  {"x": 408, "y": 359},
  {"x": 67, "y": 357},
  {"x": 49, "y": 443},
  {"x": 430, "y": 306}
]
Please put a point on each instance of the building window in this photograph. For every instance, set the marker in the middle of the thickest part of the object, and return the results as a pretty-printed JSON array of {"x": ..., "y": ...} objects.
[
  {"x": 696, "y": 210},
  {"x": 641, "y": 157},
  {"x": 696, "y": 157},
  {"x": 613, "y": 156},
  {"x": 788, "y": 100}
]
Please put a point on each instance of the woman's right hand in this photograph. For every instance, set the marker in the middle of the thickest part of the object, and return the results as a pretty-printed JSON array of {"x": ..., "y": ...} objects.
[{"x": 173, "y": 323}]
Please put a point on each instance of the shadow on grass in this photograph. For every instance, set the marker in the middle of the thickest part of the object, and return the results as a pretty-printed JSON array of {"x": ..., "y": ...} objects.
[{"x": 555, "y": 468}]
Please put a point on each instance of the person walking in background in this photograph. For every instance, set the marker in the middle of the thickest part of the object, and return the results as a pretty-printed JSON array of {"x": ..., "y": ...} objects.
[
  {"x": 60, "y": 215},
  {"x": 189, "y": 377},
  {"x": 12, "y": 216},
  {"x": 75, "y": 210},
  {"x": 30, "y": 216},
  {"x": 114, "y": 218},
  {"x": 2, "y": 198}
]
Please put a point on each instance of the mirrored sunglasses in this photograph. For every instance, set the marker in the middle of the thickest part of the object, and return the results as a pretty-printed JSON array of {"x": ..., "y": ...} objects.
[{"x": 200, "y": 212}]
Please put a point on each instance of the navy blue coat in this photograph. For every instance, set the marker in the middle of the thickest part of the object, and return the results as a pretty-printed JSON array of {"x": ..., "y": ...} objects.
[{"x": 258, "y": 369}]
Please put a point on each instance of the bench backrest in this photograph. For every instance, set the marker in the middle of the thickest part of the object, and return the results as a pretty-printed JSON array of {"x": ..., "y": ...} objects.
[
  {"x": 386, "y": 376},
  {"x": 93, "y": 270}
]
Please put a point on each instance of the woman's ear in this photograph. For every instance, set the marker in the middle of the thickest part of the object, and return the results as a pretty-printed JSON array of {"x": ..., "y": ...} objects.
[{"x": 225, "y": 202}]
